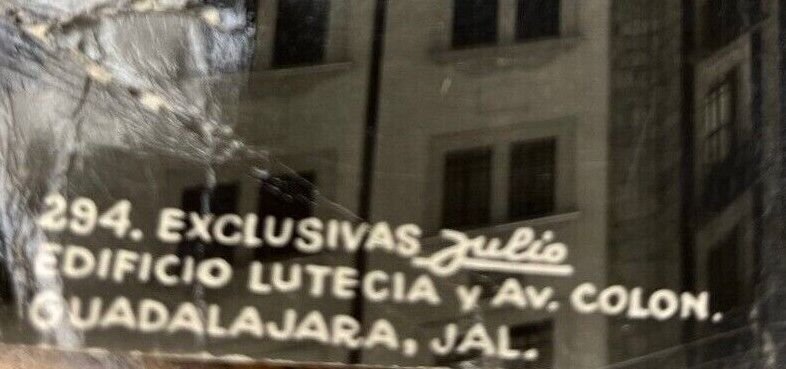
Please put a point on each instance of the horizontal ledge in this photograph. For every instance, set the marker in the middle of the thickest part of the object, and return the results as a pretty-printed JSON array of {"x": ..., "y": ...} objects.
[
  {"x": 307, "y": 70},
  {"x": 502, "y": 55}
]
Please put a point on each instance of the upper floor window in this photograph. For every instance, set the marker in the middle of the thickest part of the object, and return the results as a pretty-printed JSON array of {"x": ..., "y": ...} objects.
[
  {"x": 719, "y": 127},
  {"x": 222, "y": 199},
  {"x": 726, "y": 19},
  {"x": 285, "y": 197},
  {"x": 301, "y": 32},
  {"x": 480, "y": 22},
  {"x": 537, "y": 19},
  {"x": 467, "y": 188},
  {"x": 469, "y": 177},
  {"x": 532, "y": 178},
  {"x": 474, "y": 22}
]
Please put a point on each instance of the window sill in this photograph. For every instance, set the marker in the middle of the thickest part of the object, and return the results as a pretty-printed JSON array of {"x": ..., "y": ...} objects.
[
  {"x": 531, "y": 54},
  {"x": 302, "y": 71}
]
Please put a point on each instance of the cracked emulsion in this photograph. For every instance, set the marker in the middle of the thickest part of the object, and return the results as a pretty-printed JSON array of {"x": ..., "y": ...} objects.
[
  {"x": 150, "y": 76},
  {"x": 76, "y": 74}
]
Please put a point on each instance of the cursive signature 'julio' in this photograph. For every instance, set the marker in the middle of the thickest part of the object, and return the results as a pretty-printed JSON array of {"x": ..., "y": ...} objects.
[{"x": 485, "y": 253}]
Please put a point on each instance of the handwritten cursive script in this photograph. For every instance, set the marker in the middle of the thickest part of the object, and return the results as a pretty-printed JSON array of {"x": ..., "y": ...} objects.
[{"x": 523, "y": 253}]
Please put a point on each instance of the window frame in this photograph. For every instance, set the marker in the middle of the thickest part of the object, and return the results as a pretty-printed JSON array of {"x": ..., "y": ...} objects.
[
  {"x": 717, "y": 122},
  {"x": 492, "y": 172},
  {"x": 522, "y": 29},
  {"x": 216, "y": 198},
  {"x": 337, "y": 33},
  {"x": 721, "y": 164},
  {"x": 476, "y": 40},
  {"x": 514, "y": 203},
  {"x": 501, "y": 138},
  {"x": 464, "y": 156},
  {"x": 507, "y": 24}
]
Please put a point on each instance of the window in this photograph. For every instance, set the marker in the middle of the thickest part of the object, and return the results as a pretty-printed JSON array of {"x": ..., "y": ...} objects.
[
  {"x": 537, "y": 19},
  {"x": 250, "y": 7},
  {"x": 724, "y": 274},
  {"x": 474, "y": 22},
  {"x": 725, "y": 20},
  {"x": 301, "y": 28},
  {"x": 477, "y": 22},
  {"x": 719, "y": 113},
  {"x": 532, "y": 179},
  {"x": 467, "y": 188},
  {"x": 726, "y": 164},
  {"x": 470, "y": 359},
  {"x": 222, "y": 200},
  {"x": 530, "y": 183},
  {"x": 538, "y": 336},
  {"x": 282, "y": 197},
  {"x": 728, "y": 296}
]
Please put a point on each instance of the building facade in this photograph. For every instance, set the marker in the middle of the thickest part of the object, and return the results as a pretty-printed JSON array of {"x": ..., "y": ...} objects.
[
  {"x": 644, "y": 135},
  {"x": 494, "y": 115}
]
